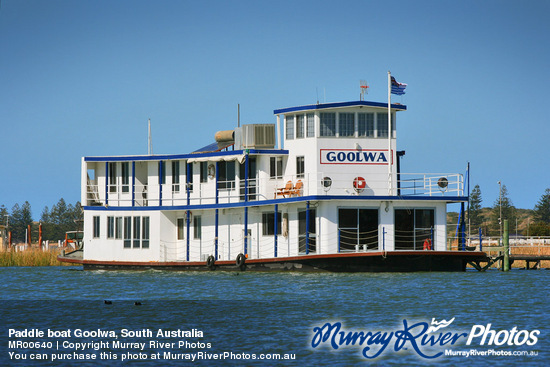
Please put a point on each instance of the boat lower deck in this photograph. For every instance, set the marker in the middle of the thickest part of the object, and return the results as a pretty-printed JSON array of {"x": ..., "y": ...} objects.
[{"x": 376, "y": 261}]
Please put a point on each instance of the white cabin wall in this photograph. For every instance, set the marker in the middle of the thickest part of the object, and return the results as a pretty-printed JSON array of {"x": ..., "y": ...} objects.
[
  {"x": 100, "y": 180},
  {"x": 293, "y": 231},
  {"x": 230, "y": 235},
  {"x": 440, "y": 227},
  {"x": 386, "y": 227},
  {"x": 104, "y": 249},
  {"x": 153, "y": 183},
  {"x": 342, "y": 175},
  {"x": 83, "y": 182},
  {"x": 224, "y": 233},
  {"x": 267, "y": 186},
  {"x": 166, "y": 232},
  {"x": 327, "y": 230}
]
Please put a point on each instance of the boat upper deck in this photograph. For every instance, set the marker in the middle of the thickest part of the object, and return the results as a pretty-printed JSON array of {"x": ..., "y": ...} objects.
[{"x": 331, "y": 151}]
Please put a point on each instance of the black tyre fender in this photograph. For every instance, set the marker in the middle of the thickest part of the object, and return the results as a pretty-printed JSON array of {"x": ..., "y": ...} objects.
[
  {"x": 211, "y": 262},
  {"x": 240, "y": 261}
]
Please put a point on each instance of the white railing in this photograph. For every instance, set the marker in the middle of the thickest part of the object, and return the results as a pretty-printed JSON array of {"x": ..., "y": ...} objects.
[
  {"x": 431, "y": 184},
  {"x": 438, "y": 185}
]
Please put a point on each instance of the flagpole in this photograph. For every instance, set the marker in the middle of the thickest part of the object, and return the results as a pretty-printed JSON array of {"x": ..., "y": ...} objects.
[
  {"x": 390, "y": 190},
  {"x": 149, "y": 140}
]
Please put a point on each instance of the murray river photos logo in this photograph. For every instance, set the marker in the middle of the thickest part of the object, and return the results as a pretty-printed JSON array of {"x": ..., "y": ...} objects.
[{"x": 426, "y": 340}]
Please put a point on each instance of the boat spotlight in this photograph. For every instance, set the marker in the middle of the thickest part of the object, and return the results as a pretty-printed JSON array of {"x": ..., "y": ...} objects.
[{"x": 443, "y": 183}]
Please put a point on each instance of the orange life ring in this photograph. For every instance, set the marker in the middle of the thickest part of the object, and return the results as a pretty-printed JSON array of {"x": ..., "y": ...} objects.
[{"x": 359, "y": 184}]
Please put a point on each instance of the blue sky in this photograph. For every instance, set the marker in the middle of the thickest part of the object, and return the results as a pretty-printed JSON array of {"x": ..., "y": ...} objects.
[{"x": 81, "y": 78}]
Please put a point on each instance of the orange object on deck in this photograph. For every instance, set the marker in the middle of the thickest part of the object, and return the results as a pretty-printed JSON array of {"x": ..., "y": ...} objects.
[
  {"x": 298, "y": 188},
  {"x": 287, "y": 190}
]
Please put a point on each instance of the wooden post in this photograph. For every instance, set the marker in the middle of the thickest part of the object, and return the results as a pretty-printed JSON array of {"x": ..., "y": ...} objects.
[
  {"x": 29, "y": 234},
  {"x": 506, "y": 242},
  {"x": 40, "y": 235}
]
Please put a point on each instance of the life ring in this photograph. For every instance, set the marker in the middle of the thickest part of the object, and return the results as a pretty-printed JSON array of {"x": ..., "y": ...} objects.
[
  {"x": 211, "y": 262},
  {"x": 190, "y": 216},
  {"x": 359, "y": 184},
  {"x": 240, "y": 261},
  {"x": 211, "y": 171}
]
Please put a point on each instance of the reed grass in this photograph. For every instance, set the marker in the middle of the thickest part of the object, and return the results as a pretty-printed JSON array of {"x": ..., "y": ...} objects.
[{"x": 30, "y": 257}]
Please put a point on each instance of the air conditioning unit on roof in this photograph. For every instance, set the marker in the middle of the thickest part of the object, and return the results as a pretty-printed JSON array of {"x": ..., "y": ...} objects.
[{"x": 256, "y": 136}]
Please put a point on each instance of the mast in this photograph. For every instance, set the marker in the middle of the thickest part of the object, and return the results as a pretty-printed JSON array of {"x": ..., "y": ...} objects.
[
  {"x": 390, "y": 188},
  {"x": 149, "y": 140}
]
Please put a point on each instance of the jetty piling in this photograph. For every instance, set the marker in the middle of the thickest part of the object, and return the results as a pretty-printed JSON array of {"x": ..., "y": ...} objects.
[{"x": 506, "y": 243}]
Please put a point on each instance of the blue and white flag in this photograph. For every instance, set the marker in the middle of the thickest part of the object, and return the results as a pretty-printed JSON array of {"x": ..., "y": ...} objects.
[{"x": 397, "y": 88}]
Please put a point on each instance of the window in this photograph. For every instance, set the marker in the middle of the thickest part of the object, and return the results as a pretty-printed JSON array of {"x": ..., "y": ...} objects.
[
  {"x": 268, "y": 223},
  {"x": 162, "y": 172},
  {"x": 252, "y": 181},
  {"x": 197, "y": 227},
  {"x": 226, "y": 175},
  {"x": 127, "y": 232},
  {"x": 125, "y": 176},
  {"x": 110, "y": 227},
  {"x": 145, "y": 232},
  {"x": 289, "y": 127},
  {"x": 300, "y": 167},
  {"x": 346, "y": 124},
  {"x": 118, "y": 228},
  {"x": 302, "y": 228},
  {"x": 413, "y": 227},
  {"x": 328, "y": 124},
  {"x": 181, "y": 228},
  {"x": 112, "y": 177},
  {"x": 310, "y": 125},
  {"x": 136, "y": 231},
  {"x": 189, "y": 176},
  {"x": 96, "y": 229},
  {"x": 299, "y": 126},
  {"x": 382, "y": 125},
  {"x": 365, "y": 125},
  {"x": 204, "y": 172},
  {"x": 175, "y": 176},
  {"x": 276, "y": 167},
  {"x": 357, "y": 229}
]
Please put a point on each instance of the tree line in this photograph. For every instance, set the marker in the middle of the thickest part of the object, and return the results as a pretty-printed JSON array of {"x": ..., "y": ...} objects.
[
  {"x": 62, "y": 217},
  {"x": 491, "y": 224}
]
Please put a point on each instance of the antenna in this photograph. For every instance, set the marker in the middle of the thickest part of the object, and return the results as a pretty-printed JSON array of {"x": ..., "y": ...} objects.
[
  {"x": 238, "y": 115},
  {"x": 150, "y": 141},
  {"x": 364, "y": 89}
]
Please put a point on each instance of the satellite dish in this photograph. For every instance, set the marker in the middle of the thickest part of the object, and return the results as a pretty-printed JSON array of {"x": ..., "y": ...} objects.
[{"x": 327, "y": 183}]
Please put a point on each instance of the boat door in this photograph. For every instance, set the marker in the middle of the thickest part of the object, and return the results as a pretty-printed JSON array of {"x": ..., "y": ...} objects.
[
  {"x": 181, "y": 244},
  {"x": 303, "y": 246},
  {"x": 252, "y": 179}
]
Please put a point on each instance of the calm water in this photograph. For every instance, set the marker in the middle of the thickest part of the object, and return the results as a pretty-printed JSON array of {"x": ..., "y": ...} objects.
[{"x": 258, "y": 313}]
